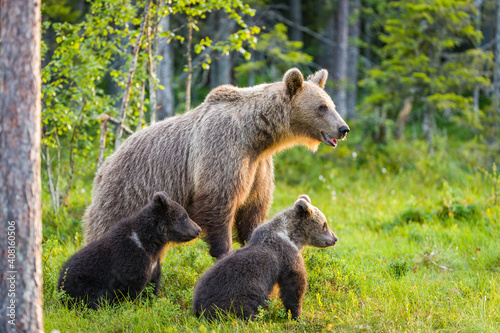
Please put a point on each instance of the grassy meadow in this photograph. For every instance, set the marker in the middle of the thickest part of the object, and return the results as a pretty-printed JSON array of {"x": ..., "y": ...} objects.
[{"x": 418, "y": 248}]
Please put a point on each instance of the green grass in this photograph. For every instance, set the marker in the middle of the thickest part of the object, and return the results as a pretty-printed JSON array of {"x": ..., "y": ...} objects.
[{"x": 418, "y": 248}]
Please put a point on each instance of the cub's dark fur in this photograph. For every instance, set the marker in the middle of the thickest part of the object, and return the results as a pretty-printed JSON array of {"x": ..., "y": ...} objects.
[
  {"x": 242, "y": 281},
  {"x": 127, "y": 258}
]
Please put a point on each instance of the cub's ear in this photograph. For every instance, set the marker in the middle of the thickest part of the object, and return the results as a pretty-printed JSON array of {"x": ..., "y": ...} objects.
[
  {"x": 293, "y": 81},
  {"x": 319, "y": 78},
  {"x": 305, "y": 197},
  {"x": 161, "y": 198},
  {"x": 302, "y": 207}
]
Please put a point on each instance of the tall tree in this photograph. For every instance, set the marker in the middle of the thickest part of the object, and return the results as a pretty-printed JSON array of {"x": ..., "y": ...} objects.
[
  {"x": 20, "y": 135},
  {"x": 220, "y": 72},
  {"x": 296, "y": 16},
  {"x": 342, "y": 56},
  {"x": 496, "y": 80},
  {"x": 328, "y": 51},
  {"x": 353, "y": 56},
  {"x": 475, "y": 94},
  {"x": 165, "y": 72}
]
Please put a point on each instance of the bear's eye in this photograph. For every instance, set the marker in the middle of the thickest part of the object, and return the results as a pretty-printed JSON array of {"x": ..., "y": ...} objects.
[
  {"x": 323, "y": 109},
  {"x": 325, "y": 227}
]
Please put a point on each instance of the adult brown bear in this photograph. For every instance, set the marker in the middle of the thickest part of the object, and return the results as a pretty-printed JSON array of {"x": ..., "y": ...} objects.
[{"x": 216, "y": 160}]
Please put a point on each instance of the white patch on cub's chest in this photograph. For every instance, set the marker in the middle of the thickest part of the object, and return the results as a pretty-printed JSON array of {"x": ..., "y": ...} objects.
[
  {"x": 136, "y": 240},
  {"x": 283, "y": 234},
  {"x": 154, "y": 266}
]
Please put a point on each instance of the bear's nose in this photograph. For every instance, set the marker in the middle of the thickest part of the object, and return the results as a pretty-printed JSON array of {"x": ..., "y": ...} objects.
[{"x": 343, "y": 131}]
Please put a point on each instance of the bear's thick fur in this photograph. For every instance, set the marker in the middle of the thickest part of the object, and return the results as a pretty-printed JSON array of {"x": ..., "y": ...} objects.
[
  {"x": 216, "y": 160},
  {"x": 241, "y": 281},
  {"x": 127, "y": 258}
]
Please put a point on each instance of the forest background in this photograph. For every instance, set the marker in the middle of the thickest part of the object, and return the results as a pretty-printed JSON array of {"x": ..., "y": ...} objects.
[{"x": 412, "y": 194}]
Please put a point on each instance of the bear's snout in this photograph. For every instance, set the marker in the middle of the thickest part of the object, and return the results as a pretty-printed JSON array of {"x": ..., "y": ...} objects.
[
  {"x": 343, "y": 131},
  {"x": 194, "y": 229},
  {"x": 333, "y": 239}
]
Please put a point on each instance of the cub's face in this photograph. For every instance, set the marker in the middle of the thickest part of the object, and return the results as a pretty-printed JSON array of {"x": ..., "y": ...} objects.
[
  {"x": 176, "y": 225},
  {"x": 314, "y": 224},
  {"x": 314, "y": 116}
]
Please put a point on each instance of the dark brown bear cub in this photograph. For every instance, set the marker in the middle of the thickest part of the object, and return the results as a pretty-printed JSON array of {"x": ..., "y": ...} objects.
[
  {"x": 127, "y": 257},
  {"x": 242, "y": 281}
]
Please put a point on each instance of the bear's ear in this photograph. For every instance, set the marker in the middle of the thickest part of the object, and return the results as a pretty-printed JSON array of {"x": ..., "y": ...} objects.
[
  {"x": 161, "y": 198},
  {"x": 305, "y": 197},
  {"x": 319, "y": 78},
  {"x": 302, "y": 207},
  {"x": 293, "y": 81}
]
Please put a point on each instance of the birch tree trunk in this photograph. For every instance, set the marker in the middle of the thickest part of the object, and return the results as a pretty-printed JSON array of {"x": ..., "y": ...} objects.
[
  {"x": 165, "y": 97},
  {"x": 123, "y": 108},
  {"x": 20, "y": 136},
  {"x": 342, "y": 56}
]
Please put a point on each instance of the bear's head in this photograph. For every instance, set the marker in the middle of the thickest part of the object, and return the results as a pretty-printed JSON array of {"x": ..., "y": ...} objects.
[
  {"x": 310, "y": 226},
  {"x": 313, "y": 116},
  {"x": 173, "y": 222}
]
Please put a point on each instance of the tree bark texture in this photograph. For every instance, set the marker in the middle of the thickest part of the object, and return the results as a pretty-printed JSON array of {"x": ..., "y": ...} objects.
[
  {"x": 220, "y": 72},
  {"x": 328, "y": 54},
  {"x": 429, "y": 125},
  {"x": 20, "y": 136},
  {"x": 403, "y": 116},
  {"x": 496, "y": 80},
  {"x": 165, "y": 71},
  {"x": 476, "y": 93},
  {"x": 190, "y": 67},
  {"x": 353, "y": 56},
  {"x": 152, "y": 75},
  {"x": 296, "y": 16},
  {"x": 342, "y": 56}
]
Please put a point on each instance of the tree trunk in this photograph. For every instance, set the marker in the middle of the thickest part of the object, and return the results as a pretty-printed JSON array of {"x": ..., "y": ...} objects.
[
  {"x": 152, "y": 50},
  {"x": 342, "y": 56},
  {"x": 296, "y": 16},
  {"x": 403, "y": 116},
  {"x": 220, "y": 71},
  {"x": 190, "y": 66},
  {"x": 476, "y": 93},
  {"x": 328, "y": 53},
  {"x": 165, "y": 72},
  {"x": 123, "y": 108},
  {"x": 352, "y": 61},
  {"x": 20, "y": 136},
  {"x": 429, "y": 125},
  {"x": 103, "y": 118},
  {"x": 495, "y": 109}
]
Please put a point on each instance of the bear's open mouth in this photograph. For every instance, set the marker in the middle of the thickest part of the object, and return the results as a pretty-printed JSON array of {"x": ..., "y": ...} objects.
[{"x": 329, "y": 141}]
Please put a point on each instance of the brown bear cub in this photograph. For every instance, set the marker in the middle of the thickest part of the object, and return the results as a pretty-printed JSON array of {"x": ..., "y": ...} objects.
[
  {"x": 241, "y": 281},
  {"x": 127, "y": 257}
]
